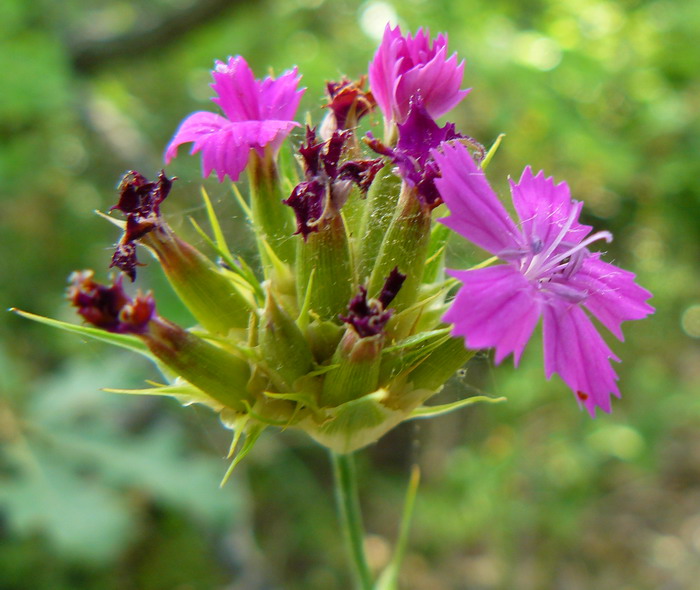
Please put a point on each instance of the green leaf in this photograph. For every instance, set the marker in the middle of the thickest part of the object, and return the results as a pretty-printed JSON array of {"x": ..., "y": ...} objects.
[
  {"x": 492, "y": 151},
  {"x": 432, "y": 411},
  {"x": 122, "y": 340},
  {"x": 389, "y": 579}
]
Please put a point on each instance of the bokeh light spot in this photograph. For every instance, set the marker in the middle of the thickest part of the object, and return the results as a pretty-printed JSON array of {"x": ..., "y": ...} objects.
[
  {"x": 534, "y": 50},
  {"x": 374, "y": 16},
  {"x": 690, "y": 321}
]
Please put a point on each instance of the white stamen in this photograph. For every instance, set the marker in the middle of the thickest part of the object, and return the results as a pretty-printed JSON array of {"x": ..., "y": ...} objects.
[
  {"x": 537, "y": 259},
  {"x": 601, "y": 235}
]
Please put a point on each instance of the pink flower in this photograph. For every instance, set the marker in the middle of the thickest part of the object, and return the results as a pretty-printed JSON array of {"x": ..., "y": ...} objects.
[
  {"x": 259, "y": 113},
  {"x": 548, "y": 272},
  {"x": 406, "y": 66}
]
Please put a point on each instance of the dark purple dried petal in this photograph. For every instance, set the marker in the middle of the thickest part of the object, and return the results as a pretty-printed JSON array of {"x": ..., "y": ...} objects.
[
  {"x": 110, "y": 308},
  {"x": 124, "y": 259},
  {"x": 391, "y": 287},
  {"x": 348, "y": 100},
  {"x": 310, "y": 153},
  {"x": 334, "y": 149},
  {"x": 368, "y": 318},
  {"x": 325, "y": 179},
  {"x": 140, "y": 200},
  {"x": 307, "y": 201},
  {"x": 361, "y": 172}
]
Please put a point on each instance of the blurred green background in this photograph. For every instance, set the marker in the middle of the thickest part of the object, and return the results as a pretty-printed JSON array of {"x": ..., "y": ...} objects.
[{"x": 101, "y": 492}]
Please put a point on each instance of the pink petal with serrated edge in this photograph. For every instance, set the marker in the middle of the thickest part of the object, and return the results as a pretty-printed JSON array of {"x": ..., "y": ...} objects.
[
  {"x": 574, "y": 350},
  {"x": 475, "y": 211},
  {"x": 494, "y": 308}
]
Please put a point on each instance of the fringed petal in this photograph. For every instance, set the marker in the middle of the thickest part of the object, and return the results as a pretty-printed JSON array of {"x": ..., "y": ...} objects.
[
  {"x": 495, "y": 308},
  {"x": 574, "y": 349}
]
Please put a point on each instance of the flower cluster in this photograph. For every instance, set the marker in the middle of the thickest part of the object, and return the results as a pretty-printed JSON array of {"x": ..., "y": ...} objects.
[{"x": 356, "y": 323}]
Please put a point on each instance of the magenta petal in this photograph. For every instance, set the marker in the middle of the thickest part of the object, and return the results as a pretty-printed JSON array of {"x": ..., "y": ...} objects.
[
  {"x": 613, "y": 296},
  {"x": 544, "y": 207},
  {"x": 495, "y": 308},
  {"x": 574, "y": 349},
  {"x": 406, "y": 67},
  {"x": 194, "y": 128},
  {"x": 381, "y": 69},
  {"x": 437, "y": 82},
  {"x": 226, "y": 146},
  {"x": 279, "y": 98},
  {"x": 475, "y": 211},
  {"x": 237, "y": 89},
  {"x": 258, "y": 116}
]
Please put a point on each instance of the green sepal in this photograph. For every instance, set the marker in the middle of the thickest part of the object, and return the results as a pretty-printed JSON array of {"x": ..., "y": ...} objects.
[
  {"x": 252, "y": 434},
  {"x": 353, "y": 216},
  {"x": 442, "y": 362},
  {"x": 405, "y": 246},
  {"x": 218, "y": 372},
  {"x": 432, "y": 411},
  {"x": 363, "y": 413},
  {"x": 380, "y": 204},
  {"x": 409, "y": 353},
  {"x": 492, "y": 151},
  {"x": 434, "y": 264},
  {"x": 204, "y": 289},
  {"x": 326, "y": 254},
  {"x": 235, "y": 266},
  {"x": 272, "y": 220},
  {"x": 184, "y": 392},
  {"x": 282, "y": 345},
  {"x": 357, "y": 373},
  {"x": 127, "y": 341}
]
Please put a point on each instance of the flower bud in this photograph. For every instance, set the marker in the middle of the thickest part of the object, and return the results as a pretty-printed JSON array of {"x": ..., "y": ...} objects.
[{"x": 282, "y": 345}]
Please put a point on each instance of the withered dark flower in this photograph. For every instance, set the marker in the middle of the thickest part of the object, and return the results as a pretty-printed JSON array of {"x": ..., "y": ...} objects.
[
  {"x": 109, "y": 307},
  {"x": 140, "y": 201},
  {"x": 368, "y": 317},
  {"x": 328, "y": 182},
  {"x": 349, "y": 101}
]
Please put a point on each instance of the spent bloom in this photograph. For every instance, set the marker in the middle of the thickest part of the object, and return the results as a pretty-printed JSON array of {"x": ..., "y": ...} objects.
[
  {"x": 258, "y": 114},
  {"x": 405, "y": 66},
  {"x": 549, "y": 273}
]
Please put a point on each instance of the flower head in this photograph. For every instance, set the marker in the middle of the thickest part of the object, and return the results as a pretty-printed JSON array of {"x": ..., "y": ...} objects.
[
  {"x": 419, "y": 134},
  {"x": 549, "y": 273},
  {"x": 404, "y": 66},
  {"x": 258, "y": 113}
]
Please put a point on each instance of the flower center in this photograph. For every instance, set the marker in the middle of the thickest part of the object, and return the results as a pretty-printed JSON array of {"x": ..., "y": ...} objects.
[{"x": 552, "y": 266}]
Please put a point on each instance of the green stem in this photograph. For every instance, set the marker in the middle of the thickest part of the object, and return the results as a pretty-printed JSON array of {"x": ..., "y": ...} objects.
[{"x": 350, "y": 516}]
